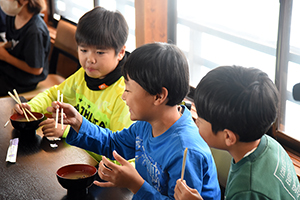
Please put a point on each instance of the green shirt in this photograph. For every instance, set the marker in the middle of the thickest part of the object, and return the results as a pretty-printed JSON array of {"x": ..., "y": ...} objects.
[{"x": 267, "y": 173}]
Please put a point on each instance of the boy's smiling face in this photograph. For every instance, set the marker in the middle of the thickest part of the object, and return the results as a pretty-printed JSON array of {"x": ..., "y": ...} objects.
[
  {"x": 97, "y": 63},
  {"x": 138, "y": 100}
]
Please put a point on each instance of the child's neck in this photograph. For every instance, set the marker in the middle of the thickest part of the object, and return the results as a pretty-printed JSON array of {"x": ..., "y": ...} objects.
[
  {"x": 22, "y": 18},
  {"x": 241, "y": 149},
  {"x": 164, "y": 119}
]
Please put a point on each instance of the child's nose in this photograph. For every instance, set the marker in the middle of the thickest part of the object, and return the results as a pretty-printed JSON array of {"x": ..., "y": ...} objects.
[
  {"x": 123, "y": 96},
  {"x": 91, "y": 59}
]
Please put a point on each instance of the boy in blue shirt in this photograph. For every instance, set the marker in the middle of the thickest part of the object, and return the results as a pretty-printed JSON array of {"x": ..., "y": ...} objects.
[
  {"x": 156, "y": 80},
  {"x": 236, "y": 106}
]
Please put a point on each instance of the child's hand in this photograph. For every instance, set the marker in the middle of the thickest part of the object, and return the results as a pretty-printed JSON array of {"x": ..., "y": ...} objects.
[
  {"x": 71, "y": 115},
  {"x": 124, "y": 176},
  {"x": 18, "y": 109},
  {"x": 49, "y": 129},
  {"x": 184, "y": 192}
]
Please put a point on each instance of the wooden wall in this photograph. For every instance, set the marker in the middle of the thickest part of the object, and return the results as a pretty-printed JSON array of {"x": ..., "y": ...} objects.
[{"x": 151, "y": 21}]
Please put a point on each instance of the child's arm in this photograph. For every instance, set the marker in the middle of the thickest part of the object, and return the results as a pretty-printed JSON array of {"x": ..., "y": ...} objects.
[
  {"x": 124, "y": 176},
  {"x": 91, "y": 137},
  {"x": 183, "y": 192},
  {"x": 20, "y": 64}
]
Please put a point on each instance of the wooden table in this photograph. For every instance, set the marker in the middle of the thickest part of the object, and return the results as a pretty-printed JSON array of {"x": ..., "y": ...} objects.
[{"x": 33, "y": 176}]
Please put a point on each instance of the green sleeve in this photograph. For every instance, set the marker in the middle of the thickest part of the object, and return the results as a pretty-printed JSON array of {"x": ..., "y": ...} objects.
[
  {"x": 43, "y": 100},
  {"x": 67, "y": 129}
]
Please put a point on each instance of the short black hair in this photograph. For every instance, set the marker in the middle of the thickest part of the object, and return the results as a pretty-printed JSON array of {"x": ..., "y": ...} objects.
[
  {"x": 36, "y": 6},
  {"x": 243, "y": 100},
  {"x": 103, "y": 29},
  {"x": 157, "y": 65}
]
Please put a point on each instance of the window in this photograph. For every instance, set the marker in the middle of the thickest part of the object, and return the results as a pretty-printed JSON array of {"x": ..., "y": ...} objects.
[
  {"x": 218, "y": 32},
  {"x": 233, "y": 32},
  {"x": 291, "y": 118},
  {"x": 72, "y": 10},
  {"x": 126, "y": 7}
]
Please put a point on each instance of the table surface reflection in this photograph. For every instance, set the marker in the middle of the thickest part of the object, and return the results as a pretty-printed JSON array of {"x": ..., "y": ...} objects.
[{"x": 33, "y": 176}]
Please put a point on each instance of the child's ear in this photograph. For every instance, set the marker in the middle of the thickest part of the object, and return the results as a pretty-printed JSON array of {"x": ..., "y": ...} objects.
[
  {"x": 161, "y": 98},
  {"x": 121, "y": 53},
  {"x": 230, "y": 137}
]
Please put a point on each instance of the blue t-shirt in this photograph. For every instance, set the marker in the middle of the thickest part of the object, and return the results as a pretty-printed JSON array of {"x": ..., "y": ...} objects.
[{"x": 158, "y": 159}]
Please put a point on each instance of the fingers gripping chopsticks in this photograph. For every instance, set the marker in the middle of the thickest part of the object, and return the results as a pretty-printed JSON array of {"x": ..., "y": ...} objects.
[{"x": 17, "y": 99}]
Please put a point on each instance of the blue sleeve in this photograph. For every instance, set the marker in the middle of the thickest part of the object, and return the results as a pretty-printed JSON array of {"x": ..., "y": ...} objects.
[
  {"x": 103, "y": 141},
  {"x": 197, "y": 173},
  {"x": 148, "y": 192}
]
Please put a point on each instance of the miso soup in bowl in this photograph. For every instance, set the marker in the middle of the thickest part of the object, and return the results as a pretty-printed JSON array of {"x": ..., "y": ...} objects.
[
  {"x": 76, "y": 178},
  {"x": 20, "y": 122}
]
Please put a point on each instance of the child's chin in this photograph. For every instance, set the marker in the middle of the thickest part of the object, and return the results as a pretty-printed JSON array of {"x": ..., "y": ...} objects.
[
  {"x": 92, "y": 75},
  {"x": 132, "y": 118}
]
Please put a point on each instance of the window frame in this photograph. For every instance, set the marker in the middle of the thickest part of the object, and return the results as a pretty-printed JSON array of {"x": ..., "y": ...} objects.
[{"x": 281, "y": 52}]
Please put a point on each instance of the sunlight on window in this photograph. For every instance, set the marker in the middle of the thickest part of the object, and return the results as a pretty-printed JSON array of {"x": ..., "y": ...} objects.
[
  {"x": 108, "y": 4},
  {"x": 78, "y": 12},
  {"x": 183, "y": 32},
  {"x": 85, "y": 5},
  {"x": 295, "y": 29},
  {"x": 247, "y": 18},
  {"x": 293, "y": 75},
  {"x": 292, "y": 120},
  {"x": 292, "y": 112},
  {"x": 130, "y": 15},
  {"x": 230, "y": 53},
  {"x": 230, "y": 32},
  {"x": 61, "y": 5},
  {"x": 198, "y": 72},
  {"x": 128, "y": 11}
]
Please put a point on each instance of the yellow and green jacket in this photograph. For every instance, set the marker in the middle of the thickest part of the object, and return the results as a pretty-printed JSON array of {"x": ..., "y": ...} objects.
[{"x": 105, "y": 108}]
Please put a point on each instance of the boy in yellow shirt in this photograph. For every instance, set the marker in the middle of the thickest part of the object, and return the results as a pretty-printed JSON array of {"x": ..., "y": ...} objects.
[{"x": 95, "y": 90}]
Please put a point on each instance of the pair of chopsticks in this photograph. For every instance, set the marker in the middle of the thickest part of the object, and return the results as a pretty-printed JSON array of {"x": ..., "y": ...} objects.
[
  {"x": 17, "y": 99},
  {"x": 59, "y": 97}
]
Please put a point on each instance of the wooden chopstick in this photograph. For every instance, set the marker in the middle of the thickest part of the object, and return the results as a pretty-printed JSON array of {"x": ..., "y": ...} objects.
[
  {"x": 62, "y": 113},
  {"x": 56, "y": 119},
  {"x": 183, "y": 163},
  {"x": 19, "y": 102},
  {"x": 30, "y": 113},
  {"x": 6, "y": 123}
]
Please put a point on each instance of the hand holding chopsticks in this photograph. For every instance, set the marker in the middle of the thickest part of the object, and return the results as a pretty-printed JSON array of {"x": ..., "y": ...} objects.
[
  {"x": 18, "y": 101},
  {"x": 183, "y": 163}
]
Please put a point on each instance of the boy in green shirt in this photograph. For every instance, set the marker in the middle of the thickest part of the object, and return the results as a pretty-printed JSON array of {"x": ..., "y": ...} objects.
[{"x": 236, "y": 106}]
